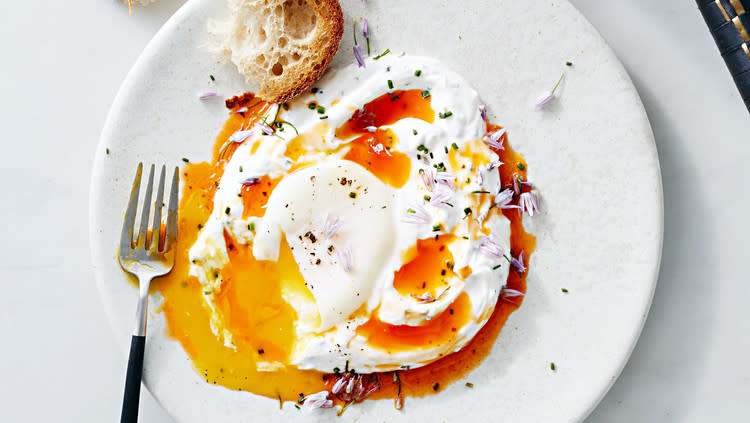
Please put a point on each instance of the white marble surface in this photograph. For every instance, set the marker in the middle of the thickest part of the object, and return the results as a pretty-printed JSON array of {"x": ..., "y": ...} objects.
[{"x": 62, "y": 65}]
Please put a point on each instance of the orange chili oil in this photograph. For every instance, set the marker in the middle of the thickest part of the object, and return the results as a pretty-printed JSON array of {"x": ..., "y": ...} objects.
[{"x": 263, "y": 327}]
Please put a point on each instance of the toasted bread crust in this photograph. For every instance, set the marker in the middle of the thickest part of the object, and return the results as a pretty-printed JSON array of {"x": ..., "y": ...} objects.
[
  {"x": 282, "y": 45},
  {"x": 325, "y": 42}
]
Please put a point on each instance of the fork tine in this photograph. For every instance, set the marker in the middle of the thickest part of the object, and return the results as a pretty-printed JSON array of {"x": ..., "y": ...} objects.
[
  {"x": 158, "y": 204},
  {"x": 126, "y": 238},
  {"x": 172, "y": 212},
  {"x": 146, "y": 210}
]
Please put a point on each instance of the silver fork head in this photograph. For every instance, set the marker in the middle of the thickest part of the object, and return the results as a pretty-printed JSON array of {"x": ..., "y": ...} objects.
[{"x": 140, "y": 254}]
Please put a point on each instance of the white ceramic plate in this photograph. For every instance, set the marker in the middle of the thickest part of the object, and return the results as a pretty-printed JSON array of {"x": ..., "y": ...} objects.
[{"x": 590, "y": 153}]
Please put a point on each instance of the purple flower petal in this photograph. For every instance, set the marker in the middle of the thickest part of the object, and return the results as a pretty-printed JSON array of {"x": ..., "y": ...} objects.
[
  {"x": 529, "y": 203},
  {"x": 345, "y": 259},
  {"x": 358, "y": 56},
  {"x": 507, "y": 294},
  {"x": 241, "y": 135},
  {"x": 491, "y": 249},
  {"x": 317, "y": 400},
  {"x": 504, "y": 197},
  {"x": 544, "y": 99},
  {"x": 416, "y": 214},
  {"x": 443, "y": 194},
  {"x": 518, "y": 263},
  {"x": 265, "y": 128},
  {"x": 332, "y": 225},
  {"x": 206, "y": 96},
  {"x": 494, "y": 164},
  {"x": 427, "y": 178},
  {"x": 366, "y": 29},
  {"x": 493, "y": 138},
  {"x": 483, "y": 112},
  {"x": 444, "y": 177}
]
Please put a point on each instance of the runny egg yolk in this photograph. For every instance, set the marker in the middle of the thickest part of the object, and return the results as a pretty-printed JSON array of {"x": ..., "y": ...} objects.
[
  {"x": 371, "y": 151},
  {"x": 427, "y": 268}
]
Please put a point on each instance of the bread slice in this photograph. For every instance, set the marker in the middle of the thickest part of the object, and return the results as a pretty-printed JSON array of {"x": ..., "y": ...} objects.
[{"x": 282, "y": 45}]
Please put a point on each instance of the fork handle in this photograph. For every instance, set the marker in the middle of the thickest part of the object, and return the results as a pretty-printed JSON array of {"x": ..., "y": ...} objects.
[{"x": 133, "y": 380}]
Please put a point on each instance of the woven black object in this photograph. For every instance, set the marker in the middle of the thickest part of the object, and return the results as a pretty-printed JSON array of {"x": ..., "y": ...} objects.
[{"x": 729, "y": 22}]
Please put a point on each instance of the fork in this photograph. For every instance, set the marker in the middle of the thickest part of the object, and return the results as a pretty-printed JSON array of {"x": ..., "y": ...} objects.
[{"x": 146, "y": 258}]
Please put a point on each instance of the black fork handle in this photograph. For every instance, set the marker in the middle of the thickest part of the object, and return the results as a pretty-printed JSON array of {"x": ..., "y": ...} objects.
[{"x": 133, "y": 380}]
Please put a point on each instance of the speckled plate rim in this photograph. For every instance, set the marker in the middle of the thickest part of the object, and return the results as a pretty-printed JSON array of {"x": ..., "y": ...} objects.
[{"x": 130, "y": 127}]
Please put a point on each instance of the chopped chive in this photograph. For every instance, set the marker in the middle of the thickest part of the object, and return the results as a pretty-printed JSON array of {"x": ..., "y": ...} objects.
[
  {"x": 496, "y": 267},
  {"x": 436, "y": 386},
  {"x": 446, "y": 150},
  {"x": 421, "y": 147},
  {"x": 414, "y": 131},
  {"x": 427, "y": 198},
  {"x": 568, "y": 63},
  {"x": 445, "y": 115},
  {"x": 418, "y": 72},
  {"x": 455, "y": 146},
  {"x": 425, "y": 93},
  {"x": 336, "y": 370},
  {"x": 106, "y": 150},
  {"x": 185, "y": 160},
  {"x": 296, "y": 406},
  {"x": 552, "y": 366},
  {"x": 467, "y": 210},
  {"x": 480, "y": 192},
  {"x": 465, "y": 237},
  {"x": 469, "y": 385},
  {"x": 352, "y": 194},
  {"x": 227, "y": 210},
  {"x": 520, "y": 166},
  {"x": 565, "y": 290},
  {"x": 411, "y": 211},
  {"x": 312, "y": 106},
  {"x": 390, "y": 84},
  {"x": 394, "y": 98},
  {"x": 240, "y": 168},
  {"x": 251, "y": 226},
  {"x": 368, "y": 46},
  {"x": 348, "y": 404},
  {"x": 324, "y": 117},
  {"x": 212, "y": 77},
  {"x": 436, "y": 227},
  {"x": 383, "y": 207},
  {"x": 321, "y": 110},
  {"x": 382, "y": 54}
]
